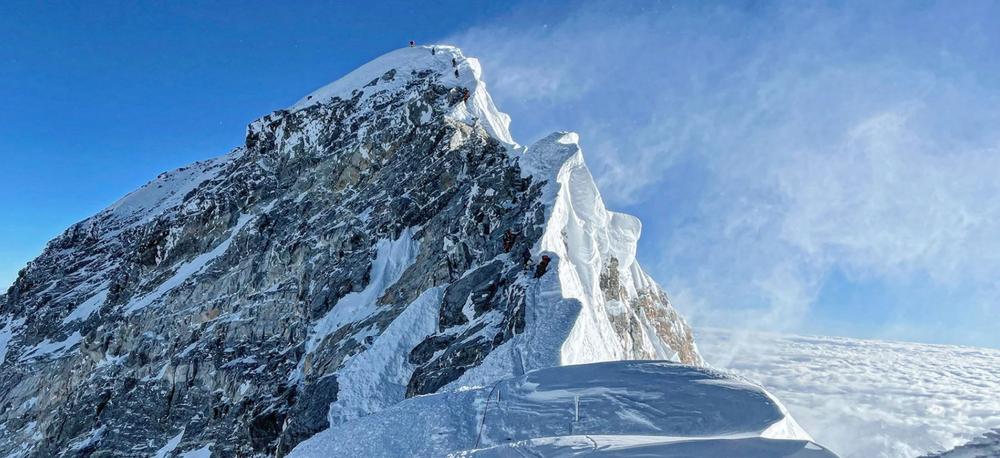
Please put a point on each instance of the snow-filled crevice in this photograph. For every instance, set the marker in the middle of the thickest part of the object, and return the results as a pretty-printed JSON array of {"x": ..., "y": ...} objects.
[
  {"x": 392, "y": 258},
  {"x": 376, "y": 378}
]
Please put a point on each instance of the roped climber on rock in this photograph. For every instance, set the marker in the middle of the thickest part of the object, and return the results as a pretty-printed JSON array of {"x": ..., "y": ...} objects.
[{"x": 542, "y": 266}]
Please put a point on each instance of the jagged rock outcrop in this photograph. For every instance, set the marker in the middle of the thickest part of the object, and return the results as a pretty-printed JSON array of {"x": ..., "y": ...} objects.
[{"x": 377, "y": 240}]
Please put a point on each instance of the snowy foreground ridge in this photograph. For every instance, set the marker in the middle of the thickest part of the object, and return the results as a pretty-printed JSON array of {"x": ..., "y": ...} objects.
[
  {"x": 382, "y": 244},
  {"x": 622, "y": 409}
]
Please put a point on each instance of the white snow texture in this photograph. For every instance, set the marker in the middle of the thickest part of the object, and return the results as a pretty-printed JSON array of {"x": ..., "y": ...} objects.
[
  {"x": 869, "y": 398},
  {"x": 622, "y": 408}
]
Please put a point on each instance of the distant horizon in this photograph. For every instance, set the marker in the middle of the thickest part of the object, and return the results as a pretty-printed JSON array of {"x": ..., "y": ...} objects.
[{"x": 786, "y": 181}]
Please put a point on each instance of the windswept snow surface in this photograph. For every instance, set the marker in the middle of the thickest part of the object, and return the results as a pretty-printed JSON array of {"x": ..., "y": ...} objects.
[
  {"x": 869, "y": 398},
  {"x": 626, "y": 408},
  {"x": 652, "y": 446},
  {"x": 170, "y": 446},
  {"x": 50, "y": 349}
]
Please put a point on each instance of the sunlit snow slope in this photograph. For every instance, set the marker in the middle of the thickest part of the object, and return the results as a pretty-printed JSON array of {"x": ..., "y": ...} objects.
[
  {"x": 869, "y": 398},
  {"x": 624, "y": 408}
]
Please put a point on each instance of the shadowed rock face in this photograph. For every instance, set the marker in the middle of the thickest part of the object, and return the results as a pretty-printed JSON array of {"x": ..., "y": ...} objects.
[{"x": 221, "y": 303}]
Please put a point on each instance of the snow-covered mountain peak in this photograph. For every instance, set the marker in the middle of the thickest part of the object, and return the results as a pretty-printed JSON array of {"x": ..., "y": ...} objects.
[
  {"x": 393, "y": 69},
  {"x": 383, "y": 238}
]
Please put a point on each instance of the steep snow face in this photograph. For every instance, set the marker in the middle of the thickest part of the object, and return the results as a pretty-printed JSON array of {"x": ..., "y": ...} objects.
[
  {"x": 165, "y": 192},
  {"x": 656, "y": 408},
  {"x": 624, "y": 313},
  {"x": 597, "y": 304},
  {"x": 381, "y": 239}
]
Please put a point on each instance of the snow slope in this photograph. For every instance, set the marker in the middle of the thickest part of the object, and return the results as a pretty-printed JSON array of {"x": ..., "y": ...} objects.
[
  {"x": 623, "y": 408},
  {"x": 869, "y": 398}
]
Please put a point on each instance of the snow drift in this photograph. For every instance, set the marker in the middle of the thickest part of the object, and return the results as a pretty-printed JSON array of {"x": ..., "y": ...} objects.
[{"x": 625, "y": 408}]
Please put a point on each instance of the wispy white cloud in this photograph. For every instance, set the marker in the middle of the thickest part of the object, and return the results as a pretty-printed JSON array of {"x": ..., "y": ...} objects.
[{"x": 860, "y": 138}]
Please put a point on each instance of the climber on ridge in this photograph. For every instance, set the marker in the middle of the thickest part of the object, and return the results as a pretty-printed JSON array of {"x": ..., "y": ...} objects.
[
  {"x": 542, "y": 266},
  {"x": 412, "y": 43},
  {"x": 454, "y": 63},
  {"x": 456, "y": 73}
]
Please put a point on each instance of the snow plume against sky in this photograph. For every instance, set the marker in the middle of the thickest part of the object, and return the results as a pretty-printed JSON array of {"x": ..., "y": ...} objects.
[{"x": 829, "y": 168}]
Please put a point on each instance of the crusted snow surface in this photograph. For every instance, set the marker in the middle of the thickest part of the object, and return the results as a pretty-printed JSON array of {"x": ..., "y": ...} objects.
[
  {"x": 869, "y": 398},
  {"x": 204, "y": 452},
  {"x": 652, "y": 446},
  {"x": 616, "y": 408},
  {"x": 170, "y": 446}
]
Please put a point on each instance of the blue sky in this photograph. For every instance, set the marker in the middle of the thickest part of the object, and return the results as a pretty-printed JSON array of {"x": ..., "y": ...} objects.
[{"x": 828, "y": 168}]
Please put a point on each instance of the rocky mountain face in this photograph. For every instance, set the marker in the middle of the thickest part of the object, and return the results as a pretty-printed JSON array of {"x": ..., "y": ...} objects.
[{"x": 380, "y": 239}]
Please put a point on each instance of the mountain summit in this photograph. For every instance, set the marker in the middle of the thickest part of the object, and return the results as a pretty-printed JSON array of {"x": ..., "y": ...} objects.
[{"x": 382, "y": 238}]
